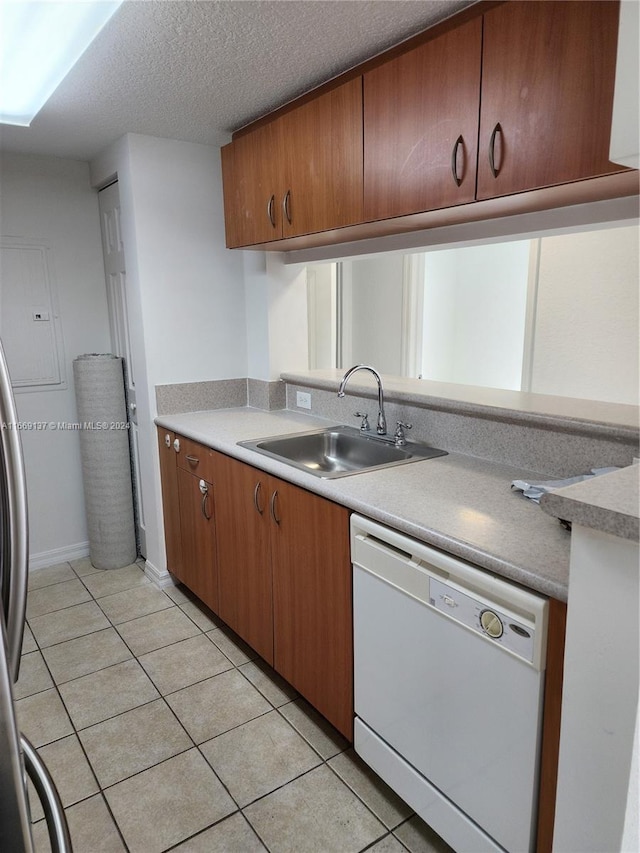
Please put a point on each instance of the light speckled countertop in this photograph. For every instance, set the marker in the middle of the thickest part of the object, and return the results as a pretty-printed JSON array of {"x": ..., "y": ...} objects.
[
  {"x": 458, "y": 503},
  {"x": 610, "y": 503}
]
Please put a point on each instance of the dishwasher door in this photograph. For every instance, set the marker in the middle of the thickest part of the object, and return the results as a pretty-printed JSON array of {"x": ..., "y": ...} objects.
[{"x": 458, "y": 707}]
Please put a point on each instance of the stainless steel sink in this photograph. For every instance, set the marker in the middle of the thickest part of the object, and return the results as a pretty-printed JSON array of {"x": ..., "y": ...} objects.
[{"x": 339, "y": 451}]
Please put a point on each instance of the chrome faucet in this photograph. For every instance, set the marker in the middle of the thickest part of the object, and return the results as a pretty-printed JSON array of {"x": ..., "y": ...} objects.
[{"x": 381, "y": 427}]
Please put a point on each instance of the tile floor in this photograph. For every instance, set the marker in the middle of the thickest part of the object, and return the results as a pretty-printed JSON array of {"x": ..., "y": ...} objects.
[{"x": 163, "y": 731}]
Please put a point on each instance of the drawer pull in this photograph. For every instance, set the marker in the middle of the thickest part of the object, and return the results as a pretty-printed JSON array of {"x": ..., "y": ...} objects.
[
  {"x": 492, "y": 150},
  {"x": 270, "y": 204},
  {"x": 274, "y": 498},
  {"x": 454, "y": 160},
  {"x": 256, "y": 496},
  {"x": 204, "y": 489},
  {"x": 286, "y": 205},
  {"x": 193, "y": 460}
]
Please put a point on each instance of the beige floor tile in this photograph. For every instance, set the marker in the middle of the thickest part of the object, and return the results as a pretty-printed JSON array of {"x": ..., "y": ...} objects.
[
  {"x": 69, "y": 623},
  {"x": 157, "y": 630},
  {"x": 420, "y": 838},
  {"x": 184, "y": 663},
  {"x": 204, "y": 618},
  {"x": 383, "y": 802},
  {"x": 388, "y": 844},
  {"x": 103, "y": 694},
  {"x": 313, "y": 727},
  {"x": 272, "y": 686},
  {"x": 179, "y": 594},
  {"x": 91, "y": 827},
  {"x": 214, "y": 706},
  {"x": 133, "y": 603},
  {"x": 314, "y": 812},
  {"x": 70, "y": 771},
  {"x": 83, "y": 567},
  {"x": 258, "y": 757},
  {"x": 231, "y": 835},
  {"x": 84, "y": 655},
  {"x": 109, "y": 581},
  {"x": 232, "y": 646},
  {"x": 28, "y": 641},
  {"x": 133, "y": 741},
  {"x": 34, "y": 676},
  {"x": 49, "y": 575},
  {"x": 42, "y": 717},
  {"x": 168, "y": 803},
  {"x": 55, "y": 597}
]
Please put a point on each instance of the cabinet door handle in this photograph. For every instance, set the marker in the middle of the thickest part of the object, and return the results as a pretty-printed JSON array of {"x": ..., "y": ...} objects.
[
  {"x": 256, "y": 495},
  {"x": 204, "y": 490},
  {"x": 176, "y": 445},
  {"x": 272, "y": 507},
  {"x": 454, "y": 160},
  {"x": 193, "y": 460},
  {"x": 270, "y": 212},
  {"x": 167, "y": 440},
  {"x": 286, "y": 205},
  {"x": 492, "y": 150}
]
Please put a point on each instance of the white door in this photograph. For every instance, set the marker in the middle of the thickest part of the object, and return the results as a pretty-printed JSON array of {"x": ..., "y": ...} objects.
[{"x": 116, "y": 280}]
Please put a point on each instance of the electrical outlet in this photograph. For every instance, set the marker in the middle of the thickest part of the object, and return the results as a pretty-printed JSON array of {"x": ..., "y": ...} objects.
[{"x": 303, "y": 400}]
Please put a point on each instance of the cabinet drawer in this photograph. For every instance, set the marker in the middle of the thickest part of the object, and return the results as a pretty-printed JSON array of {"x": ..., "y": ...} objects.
[{"x": 195, "y": 458}]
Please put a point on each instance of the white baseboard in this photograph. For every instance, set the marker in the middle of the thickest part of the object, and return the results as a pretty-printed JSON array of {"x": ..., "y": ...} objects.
[
  {"x": 58, "y": 555},
  {"x": 160, "y": 577}
]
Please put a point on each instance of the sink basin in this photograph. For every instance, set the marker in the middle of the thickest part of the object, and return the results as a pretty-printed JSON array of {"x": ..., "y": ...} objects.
[{"x": 339, "y": 451}]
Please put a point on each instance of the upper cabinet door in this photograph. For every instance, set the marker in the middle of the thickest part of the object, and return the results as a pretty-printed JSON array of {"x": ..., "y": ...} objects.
[
  {"x": 251, "y": 170},
  {"x": 322, "y": 139},
  {"x": 421, "y": 126},
  {"x": 547, "y": 94}
]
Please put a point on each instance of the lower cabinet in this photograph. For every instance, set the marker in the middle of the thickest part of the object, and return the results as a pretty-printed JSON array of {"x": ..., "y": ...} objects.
[
  {"x": 272, "y": 560},
  {"x": 170, "y": 501},
  {"x": 188, "y": 512},
  {"x": 198, "y": 535},
  {"x": 246, "y": 597},
  {"x": 312, "y": 600},
  {"x": 285, "y": 582}
]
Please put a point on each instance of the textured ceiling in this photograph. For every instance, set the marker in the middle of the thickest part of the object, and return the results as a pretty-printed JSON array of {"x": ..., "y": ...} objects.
[{"x": 196, "y": 70}]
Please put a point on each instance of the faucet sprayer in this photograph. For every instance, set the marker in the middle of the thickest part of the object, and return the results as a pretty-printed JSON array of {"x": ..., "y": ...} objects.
[{"x": 381, "y": 427}]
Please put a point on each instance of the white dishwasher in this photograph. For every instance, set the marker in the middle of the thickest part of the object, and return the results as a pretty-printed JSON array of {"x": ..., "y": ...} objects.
[{"x": 449, "y": 678}]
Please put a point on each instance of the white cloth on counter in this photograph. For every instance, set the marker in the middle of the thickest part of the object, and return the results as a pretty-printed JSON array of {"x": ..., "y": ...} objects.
[{"x": 534, "y": 491}]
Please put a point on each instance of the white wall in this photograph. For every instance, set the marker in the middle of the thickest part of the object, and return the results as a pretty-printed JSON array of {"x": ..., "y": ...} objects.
[
  {"x": 321, "y": 313},
  {"x": 599, "y": 697},
  {"x": 277, "y": 321},
  {"x": 187, "y": 300},
  {"x": 257, "y": 314},
  {"x": 51, "y": 199},
  {"x": 587, "y": 321}
]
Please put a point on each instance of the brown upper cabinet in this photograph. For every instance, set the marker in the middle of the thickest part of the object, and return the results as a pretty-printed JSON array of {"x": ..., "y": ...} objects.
[
  {"x": 503, "y": 109},
  {"x": 297, "y": 174},
  {"x": 421, "y": 126},
  {"x": 548, "y": 72}
]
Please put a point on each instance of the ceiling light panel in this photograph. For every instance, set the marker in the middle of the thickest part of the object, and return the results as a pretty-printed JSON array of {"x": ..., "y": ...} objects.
[{"x": 40, "y": 42}]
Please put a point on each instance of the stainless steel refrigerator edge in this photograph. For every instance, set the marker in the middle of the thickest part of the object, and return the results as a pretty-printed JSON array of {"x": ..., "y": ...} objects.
[{"x": 17, "y": 755}]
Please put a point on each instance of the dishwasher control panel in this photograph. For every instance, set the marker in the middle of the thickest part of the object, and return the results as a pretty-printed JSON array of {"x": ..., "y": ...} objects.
[{"x": 483, "y": 617}]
